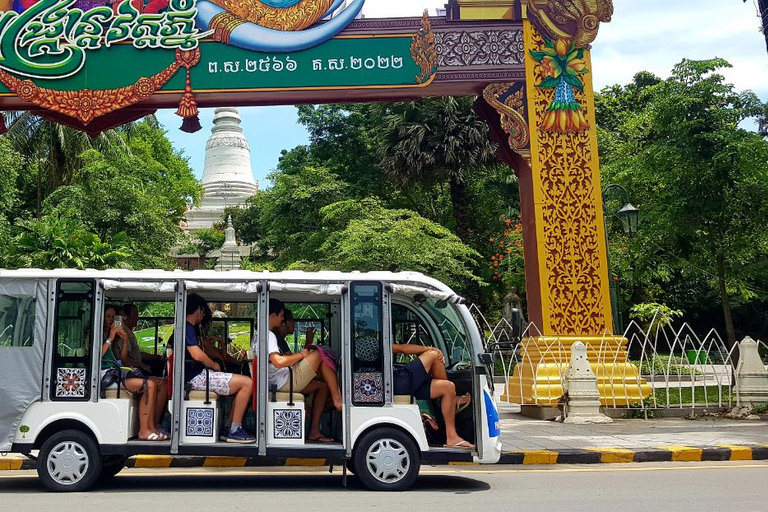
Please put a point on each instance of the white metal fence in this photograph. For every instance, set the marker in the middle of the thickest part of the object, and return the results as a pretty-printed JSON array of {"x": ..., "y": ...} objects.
[{"x": 683, "y": 369}]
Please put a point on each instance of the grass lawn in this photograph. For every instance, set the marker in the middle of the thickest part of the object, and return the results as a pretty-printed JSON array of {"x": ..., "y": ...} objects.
[
  {"x": 700, "y": 395},
  {"x": 146, "y": 338}
]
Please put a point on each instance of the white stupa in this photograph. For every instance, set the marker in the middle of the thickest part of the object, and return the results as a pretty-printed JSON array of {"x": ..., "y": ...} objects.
[{"x": 227, "y": 175}]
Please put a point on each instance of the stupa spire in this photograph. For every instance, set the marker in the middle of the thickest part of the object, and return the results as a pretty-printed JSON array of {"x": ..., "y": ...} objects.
[{"x": 227, "y": 176}]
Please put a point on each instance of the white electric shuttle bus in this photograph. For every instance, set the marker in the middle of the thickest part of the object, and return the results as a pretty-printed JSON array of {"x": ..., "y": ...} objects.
[{"x": 53, "y": 410}]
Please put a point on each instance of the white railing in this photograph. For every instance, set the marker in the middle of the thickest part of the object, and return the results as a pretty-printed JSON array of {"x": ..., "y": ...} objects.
[{"x": 683, "y": 369}]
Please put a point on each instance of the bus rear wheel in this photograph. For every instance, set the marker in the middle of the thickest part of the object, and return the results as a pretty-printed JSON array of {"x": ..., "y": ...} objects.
[
  {"x": 69, "y": 461},
  {"x": 386, "y": 459}
]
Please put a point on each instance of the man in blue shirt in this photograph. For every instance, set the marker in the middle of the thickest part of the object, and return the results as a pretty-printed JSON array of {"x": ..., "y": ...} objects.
[{"x": 219, "y": 382}]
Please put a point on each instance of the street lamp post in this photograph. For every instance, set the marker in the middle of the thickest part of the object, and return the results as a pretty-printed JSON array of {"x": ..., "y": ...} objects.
[{"x": 630, "y": 219}]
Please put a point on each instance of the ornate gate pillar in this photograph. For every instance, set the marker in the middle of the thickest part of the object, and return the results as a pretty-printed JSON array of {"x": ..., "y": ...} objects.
[{"x": 546, "y": 130}]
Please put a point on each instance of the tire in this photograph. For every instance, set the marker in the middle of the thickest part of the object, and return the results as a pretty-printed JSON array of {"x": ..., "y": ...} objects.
[
  {"x": 351, "y": 469},
  {"x": 386, "y": 459},
  {"x": 111, "y": 467},
  {"x": 69, "y": 461}
]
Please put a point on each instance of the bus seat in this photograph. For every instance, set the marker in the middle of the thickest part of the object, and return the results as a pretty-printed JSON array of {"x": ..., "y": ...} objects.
[
  {"x": 200, "y": 396},
  {"x": 402, "y": 400},
  {"x": 111, "y": 393},
  {"x": 282, "y": 396}
]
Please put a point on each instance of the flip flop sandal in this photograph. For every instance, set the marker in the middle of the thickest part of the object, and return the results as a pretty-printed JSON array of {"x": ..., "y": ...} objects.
[
  {"x": 155, "y": 437},
  {"x": 464, "y": 445},
  {"x": 431, "y": 421},
  {"x": 463, "y": 402},
  {"x": 320, "y": 439}
]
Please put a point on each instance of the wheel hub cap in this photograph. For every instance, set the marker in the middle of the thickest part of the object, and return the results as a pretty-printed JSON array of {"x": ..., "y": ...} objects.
[
  {"x": 67, "y": 463},
  {"x": 388, "y": 460}
]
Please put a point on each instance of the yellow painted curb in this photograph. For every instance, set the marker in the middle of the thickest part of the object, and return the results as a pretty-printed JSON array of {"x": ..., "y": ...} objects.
[
  {"x": 614, "y": 455},
  {"x": 224, "y": 462},
  {"x": 539, "y": 457},
  {"x": 296, "y": 461},
  {"x": 10, "y": 464},
  {"x": 683, "y": 453},
  {"x": 739, "y": 452},
  {"x": 153, "y": 461},
  {"x": 463, "y": 464}
]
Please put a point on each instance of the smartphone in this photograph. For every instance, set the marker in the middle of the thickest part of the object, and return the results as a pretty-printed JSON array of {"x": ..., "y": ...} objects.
[{"x": 118, "y": 321}]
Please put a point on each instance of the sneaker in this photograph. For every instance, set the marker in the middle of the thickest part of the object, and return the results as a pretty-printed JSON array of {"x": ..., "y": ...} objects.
[
  {"x": 240, "y": 436},
  {"x": 225, "y": 433}
]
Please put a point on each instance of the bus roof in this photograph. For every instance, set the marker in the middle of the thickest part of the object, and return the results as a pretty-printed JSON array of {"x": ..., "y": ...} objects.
[{"x": 410, "y": 278}]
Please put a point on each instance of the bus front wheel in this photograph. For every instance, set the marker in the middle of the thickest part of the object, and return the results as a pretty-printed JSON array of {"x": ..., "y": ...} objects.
[
  {"x": 386, "y": 459},
  {"x": 69, "y": 461}
]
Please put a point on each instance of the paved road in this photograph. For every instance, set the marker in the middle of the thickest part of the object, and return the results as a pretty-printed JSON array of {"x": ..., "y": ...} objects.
[{"x": 681, "y": 487}]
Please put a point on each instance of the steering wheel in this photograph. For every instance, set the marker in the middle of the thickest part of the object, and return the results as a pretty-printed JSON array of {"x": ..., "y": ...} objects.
[{"x": 459, "y": 366}]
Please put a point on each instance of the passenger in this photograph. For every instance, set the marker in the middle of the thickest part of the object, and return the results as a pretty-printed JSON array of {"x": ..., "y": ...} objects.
[
  {"x": 149, "y": 364},
  {"x": 130, "y": 355},
  {"x": 317, "y": 388},
  {"x": 305, "y": 364},
  {"x": 148, "y": 403},
  {"x": 218, "y": 353},
  {"x": 221, "y": 383},
  {"x": 425, "y": 378}
]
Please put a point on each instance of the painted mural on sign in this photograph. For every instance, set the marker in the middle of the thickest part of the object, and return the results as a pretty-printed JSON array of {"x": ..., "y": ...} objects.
[{"x": 84, "y": 59}]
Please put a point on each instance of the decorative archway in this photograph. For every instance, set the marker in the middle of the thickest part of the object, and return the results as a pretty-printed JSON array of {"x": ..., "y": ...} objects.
[{"x": 528, "y": 61}]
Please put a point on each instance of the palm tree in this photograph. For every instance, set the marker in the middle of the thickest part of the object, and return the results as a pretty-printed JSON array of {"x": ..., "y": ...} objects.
[
  {"x": 57, "y": 148},
  {"x": 433, "y": 141}
]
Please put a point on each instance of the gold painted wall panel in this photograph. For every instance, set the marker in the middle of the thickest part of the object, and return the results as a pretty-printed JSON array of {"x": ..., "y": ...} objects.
[{"x": 568, "y": 207}]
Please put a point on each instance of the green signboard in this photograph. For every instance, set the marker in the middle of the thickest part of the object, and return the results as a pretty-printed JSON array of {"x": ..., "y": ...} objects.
[{"x": 84, "y": 60}]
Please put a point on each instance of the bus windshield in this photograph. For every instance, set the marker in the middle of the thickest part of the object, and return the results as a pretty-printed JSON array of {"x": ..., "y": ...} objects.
[{"x": 451, "y": 327}]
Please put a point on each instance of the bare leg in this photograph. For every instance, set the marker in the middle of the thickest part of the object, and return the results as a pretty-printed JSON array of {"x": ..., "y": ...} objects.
[
  {"x": 433, "y": 364},
  {"x": 328, "y": 375},
  {"x": 446, "y": 391},
  {"x": 161, "y": 400},
  {"x": 146, "y": 405},
  {"x": 240, "y": 386},
  {"x": 320, "y": 391}
]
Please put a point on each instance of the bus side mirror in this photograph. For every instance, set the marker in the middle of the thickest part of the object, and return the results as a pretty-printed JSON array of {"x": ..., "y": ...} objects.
[{"x": 487, "y": 358}]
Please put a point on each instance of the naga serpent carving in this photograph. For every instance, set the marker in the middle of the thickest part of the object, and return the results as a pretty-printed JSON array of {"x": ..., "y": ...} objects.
[
  {"x": 575, "y": 20},
  {"x": 275, "y": 25}
]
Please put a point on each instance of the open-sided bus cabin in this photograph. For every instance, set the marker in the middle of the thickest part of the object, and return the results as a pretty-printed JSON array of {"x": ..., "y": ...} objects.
[{"x": 51, "y": 325}]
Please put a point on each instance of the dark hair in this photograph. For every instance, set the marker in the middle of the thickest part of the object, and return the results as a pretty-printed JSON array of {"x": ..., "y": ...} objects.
[
  {"x": 275, "y": 307},
  {"x": 288, "y": 316},
  {"x": 112, "y": 306},
  {"x": 128, "y": 308},
  {"x": 195, "y": 302}
]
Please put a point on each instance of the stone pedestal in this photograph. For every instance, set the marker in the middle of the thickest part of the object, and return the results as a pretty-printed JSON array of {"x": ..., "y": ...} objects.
[
  {"x": 751, "y": 375},
  {"x": 583, "y": 405},
  {"x": 538, "y": 377}
]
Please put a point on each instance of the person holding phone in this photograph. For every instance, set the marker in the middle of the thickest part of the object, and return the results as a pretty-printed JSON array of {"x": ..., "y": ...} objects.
[{"x": 149, "y": 407}]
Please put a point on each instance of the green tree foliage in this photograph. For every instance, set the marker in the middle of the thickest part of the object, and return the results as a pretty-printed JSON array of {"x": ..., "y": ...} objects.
[
  {"x": 52, "y": 242},
  {"x": 289, "y": 223},
  {"x": 121, "y": 207},
  {"x": 209, "y": 239},
  {"x": 56, "y": 149},
  {"x": 436, "y": 140},
  {"x": 11, "y": 165},
  {"x": 364, "y": 235},
  {"x": 698, "y": 178},
  {"x": 350, "y": 140}
]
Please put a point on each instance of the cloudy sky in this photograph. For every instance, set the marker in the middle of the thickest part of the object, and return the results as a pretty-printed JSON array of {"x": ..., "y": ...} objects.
[{"x": 645, "y": 35}]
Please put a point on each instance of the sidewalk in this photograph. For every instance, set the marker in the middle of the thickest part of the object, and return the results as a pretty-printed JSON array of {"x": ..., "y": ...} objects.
[{"x": 531, "y": 441}]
